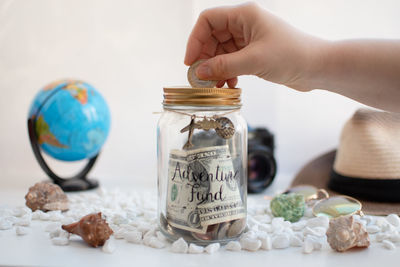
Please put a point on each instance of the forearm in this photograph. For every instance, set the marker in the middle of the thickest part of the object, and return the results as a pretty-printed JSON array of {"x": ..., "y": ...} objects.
[{"x": 365, "y": 70}]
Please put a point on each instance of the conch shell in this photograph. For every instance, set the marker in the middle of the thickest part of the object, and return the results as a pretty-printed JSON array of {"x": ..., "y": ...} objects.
[
  {"x": 93, "y": 229},
  {"x": 46, "y": 196},
  {"x": 345, "y": 233}
]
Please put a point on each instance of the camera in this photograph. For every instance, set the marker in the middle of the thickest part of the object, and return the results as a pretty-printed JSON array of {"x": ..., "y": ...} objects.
[{"x": 261, "y": 164}]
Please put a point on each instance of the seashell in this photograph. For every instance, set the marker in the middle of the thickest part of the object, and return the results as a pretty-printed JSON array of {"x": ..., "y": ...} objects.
[
  {"x": 46, "y": 196},
  {"x": 93, "y": 229},
  {"x": 345, "y": 233}
]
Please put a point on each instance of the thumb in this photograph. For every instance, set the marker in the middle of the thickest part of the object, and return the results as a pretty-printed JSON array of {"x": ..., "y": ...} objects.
[{"x": 227, "y": 66}]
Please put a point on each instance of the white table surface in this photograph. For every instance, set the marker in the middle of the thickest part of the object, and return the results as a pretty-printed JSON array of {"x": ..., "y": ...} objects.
[{"x": 35, "y": 249}]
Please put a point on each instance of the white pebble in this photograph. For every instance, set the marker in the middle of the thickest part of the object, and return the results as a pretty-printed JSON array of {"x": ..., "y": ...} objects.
[
  {"x": 109, "y": 246},
  {"x": 316, "y": 231},
  {"x": 266, "y": 243},
  {"x": 317, "y": 242},
  {"x": 372, "y": 229},
  {"x": 298, "y": 226},
  {"x": 250, "y": 244},
  {"x": 249, "y": 234},
  {"x": 251, "y": 221},
  {"x": 154, "y": 242},
  {"x": 388, "y": 228},
  {"x": 393, "y": 219},
  {"x": 369, "y": 219},
  {"x": 295, "y": 241},
  {"x": 233, "y": 246},
  {"x": 212, "y": 248},
  {"x": 44, "y": 216},
  {"x": 277, "y": 222},
  {"x": 52, "y": 227},
  {"x": 161, "y": 236},
  {"x": 265, "y": 227},
  {"x": 381, "y": 221},
  {"x": 308, "y": 246},
  {"x": 263, "y": 218},
  {"x": 381, "y": 236},
  {"x": 389, "y": 245},
  {"x": 308, "y": 213},
  {"x": 133, "y": 237},
  {"x": 194, "y": 249},
  {"x": 5, "y": 224},
  {"x": 21, "y": 211},
  {"x": 179, "y": 246},
  {"x": 21, "y": 230},
  {"x": 281, "y": 241},
  {"x": 36, "y": 214},
  {"x": 55, "y": 216},
  {"x": 119, "y": 233},
  {"x": 25, "y": 220},
  {"x": 395, "y": 238},
  {"x": 59, "y": 233},
  {"x": 60, "y": 241},
  {"x": 321, "y": 221}
]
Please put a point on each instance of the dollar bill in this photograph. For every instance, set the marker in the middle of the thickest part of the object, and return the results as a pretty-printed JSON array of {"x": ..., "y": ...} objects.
[{"x": 203, "y": 189}]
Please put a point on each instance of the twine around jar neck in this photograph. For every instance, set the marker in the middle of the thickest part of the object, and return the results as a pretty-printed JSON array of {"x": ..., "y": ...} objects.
[{"x": 194, "y": 116}]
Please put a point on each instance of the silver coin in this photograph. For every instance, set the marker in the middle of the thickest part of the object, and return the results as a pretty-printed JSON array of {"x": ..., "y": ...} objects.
[
  {"x": 223, "y": 229},
  {"x": 195, "y": 81},
  {"x": 236, "y": 228}
]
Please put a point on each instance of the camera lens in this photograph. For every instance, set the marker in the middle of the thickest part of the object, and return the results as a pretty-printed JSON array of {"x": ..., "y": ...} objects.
[{"x": 261, "y": 169}]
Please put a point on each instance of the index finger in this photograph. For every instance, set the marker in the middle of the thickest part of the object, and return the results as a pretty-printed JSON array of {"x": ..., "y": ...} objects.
[{"x": 211, "y": 20}]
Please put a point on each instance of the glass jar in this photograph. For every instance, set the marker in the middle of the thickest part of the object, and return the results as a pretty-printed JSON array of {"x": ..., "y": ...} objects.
[{"x": 202, "y": 165}]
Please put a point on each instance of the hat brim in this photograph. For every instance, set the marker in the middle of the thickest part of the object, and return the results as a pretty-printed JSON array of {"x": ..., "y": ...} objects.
[{"x": 317, "y": 173}]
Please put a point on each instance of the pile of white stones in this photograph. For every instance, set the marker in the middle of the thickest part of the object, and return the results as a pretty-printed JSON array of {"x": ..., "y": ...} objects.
[{"x": 133, "y": 217}]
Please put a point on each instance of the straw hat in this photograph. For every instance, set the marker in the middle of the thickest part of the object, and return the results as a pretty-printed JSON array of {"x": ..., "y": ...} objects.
[{"x": 365, "y": 166}]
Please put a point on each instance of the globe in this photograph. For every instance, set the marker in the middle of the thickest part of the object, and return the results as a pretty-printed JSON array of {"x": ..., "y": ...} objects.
[{"x": 71, "y": 120}]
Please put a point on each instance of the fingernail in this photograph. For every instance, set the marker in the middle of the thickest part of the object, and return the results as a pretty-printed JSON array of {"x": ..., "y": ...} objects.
[{"x": 203, "y": 71}]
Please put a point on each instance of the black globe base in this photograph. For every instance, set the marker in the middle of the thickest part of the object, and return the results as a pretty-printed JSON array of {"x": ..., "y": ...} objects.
[
  {"x": 75, "y": 184},
  {"x": 79, "y": 182}
]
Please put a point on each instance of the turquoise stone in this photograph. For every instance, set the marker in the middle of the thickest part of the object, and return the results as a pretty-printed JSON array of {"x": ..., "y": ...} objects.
[{"x": 289, "y": 206}]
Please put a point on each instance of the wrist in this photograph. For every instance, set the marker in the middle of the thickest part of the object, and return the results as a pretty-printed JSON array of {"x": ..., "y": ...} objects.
[{"x": 315, "y": 60}]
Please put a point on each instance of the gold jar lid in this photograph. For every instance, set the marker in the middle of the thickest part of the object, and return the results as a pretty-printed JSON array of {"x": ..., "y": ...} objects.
[{"x": 187, "y": 96}]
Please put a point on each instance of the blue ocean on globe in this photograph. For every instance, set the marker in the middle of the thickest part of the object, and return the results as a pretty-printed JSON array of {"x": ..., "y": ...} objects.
[{"x": 71, "y": 120}]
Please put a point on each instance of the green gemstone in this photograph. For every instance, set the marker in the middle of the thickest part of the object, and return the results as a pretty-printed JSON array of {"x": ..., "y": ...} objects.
[{"x": 289, "y": 206}]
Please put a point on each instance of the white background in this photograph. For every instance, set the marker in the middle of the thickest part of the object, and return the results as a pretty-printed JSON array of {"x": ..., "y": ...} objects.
[{"x": 130, "y": 49}]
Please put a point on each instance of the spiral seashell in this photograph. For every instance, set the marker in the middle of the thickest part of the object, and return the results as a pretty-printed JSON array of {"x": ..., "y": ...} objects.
[
  {"x": 46, "y": 196},
  {"x": 93, "y": 229},
  {"x": 345, "y": 233}
]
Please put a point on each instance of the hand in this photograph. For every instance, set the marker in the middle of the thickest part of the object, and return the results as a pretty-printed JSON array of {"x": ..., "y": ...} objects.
[{"x": 247, "y": 39}]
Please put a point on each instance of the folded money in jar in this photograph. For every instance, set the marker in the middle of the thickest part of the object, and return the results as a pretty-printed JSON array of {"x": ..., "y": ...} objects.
[{"x": 202, "y": 164}]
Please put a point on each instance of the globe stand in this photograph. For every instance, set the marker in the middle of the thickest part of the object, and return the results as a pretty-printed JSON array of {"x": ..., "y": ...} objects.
[{"x": 79, "y": 182}]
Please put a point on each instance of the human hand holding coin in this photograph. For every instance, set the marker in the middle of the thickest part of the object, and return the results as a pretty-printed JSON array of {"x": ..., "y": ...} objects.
[{"x": 248, "y": 40}]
